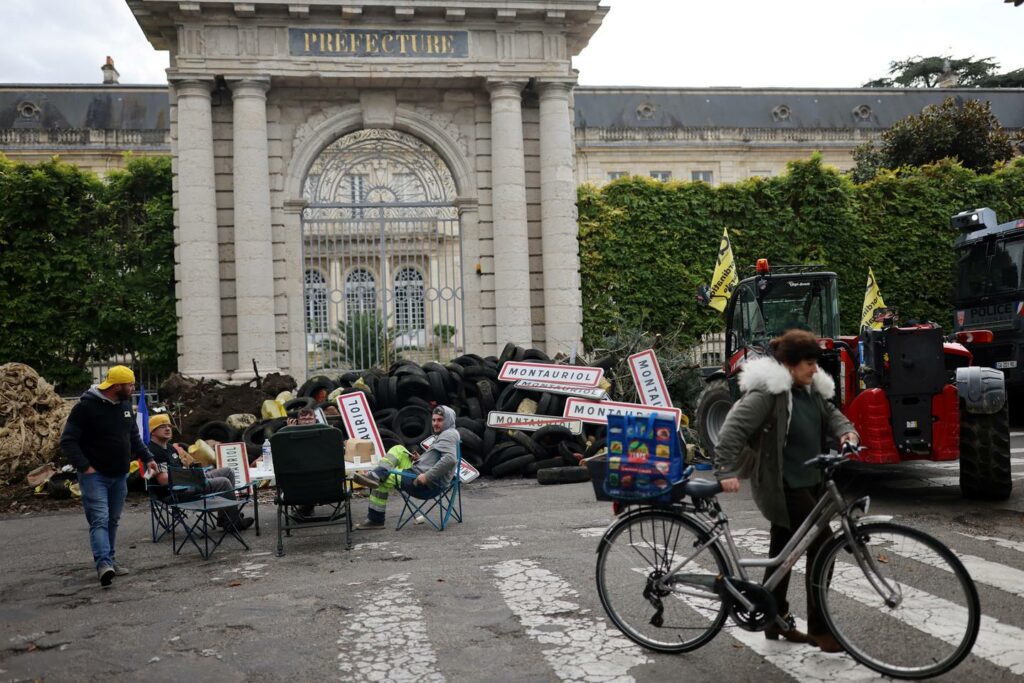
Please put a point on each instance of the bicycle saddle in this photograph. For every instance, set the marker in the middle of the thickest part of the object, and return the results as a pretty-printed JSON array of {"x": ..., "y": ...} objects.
[{"x": 699, "y": 488}]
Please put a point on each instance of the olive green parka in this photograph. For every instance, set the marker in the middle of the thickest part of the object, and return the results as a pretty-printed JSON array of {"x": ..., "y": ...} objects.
[{"x": 753, "y": 436}]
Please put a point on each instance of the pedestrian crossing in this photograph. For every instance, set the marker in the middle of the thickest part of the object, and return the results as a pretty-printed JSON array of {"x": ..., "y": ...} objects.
[{"x": 558, "y": 611}]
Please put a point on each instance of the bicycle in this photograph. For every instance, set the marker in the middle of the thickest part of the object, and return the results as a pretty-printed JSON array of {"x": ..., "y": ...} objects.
[{"x": 669, "y": 575}]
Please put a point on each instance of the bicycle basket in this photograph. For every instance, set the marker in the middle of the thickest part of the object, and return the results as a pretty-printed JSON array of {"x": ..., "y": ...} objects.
[{"x": 644, "y": 459}]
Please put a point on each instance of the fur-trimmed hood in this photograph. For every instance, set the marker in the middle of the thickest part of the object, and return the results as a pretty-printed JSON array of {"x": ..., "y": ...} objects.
[{"x": 768, "y": 375}]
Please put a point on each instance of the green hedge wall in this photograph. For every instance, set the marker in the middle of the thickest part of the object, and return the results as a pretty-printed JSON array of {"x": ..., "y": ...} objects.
[{"x": 645, "y": 245}]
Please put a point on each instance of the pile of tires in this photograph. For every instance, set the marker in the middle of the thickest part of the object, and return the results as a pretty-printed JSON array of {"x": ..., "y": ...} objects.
[{"x": 401, "y": 399}]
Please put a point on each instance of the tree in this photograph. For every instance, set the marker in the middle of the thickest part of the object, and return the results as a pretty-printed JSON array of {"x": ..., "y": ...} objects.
[
  {"x": 965, "y": 130},
  {"x": 932, "y": 72}
]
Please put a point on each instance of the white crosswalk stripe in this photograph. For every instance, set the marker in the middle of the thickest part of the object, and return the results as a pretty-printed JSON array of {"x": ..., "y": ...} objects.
[
  {"x": 1000, "y": 542},
  {"x": 577, "y": 648},
  {"x": 380, "y": 643},
  {"x": 997, "y": 642}
]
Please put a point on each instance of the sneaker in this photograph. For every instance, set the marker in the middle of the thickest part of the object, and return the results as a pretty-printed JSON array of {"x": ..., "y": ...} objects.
[
  {"x": 367, "y": 479},
  {"x": 121, "y": 571},
  {"x": 419, "y": 519},
  {"x": 106, "y": 574},
  {"x": 368, "y": 524}
]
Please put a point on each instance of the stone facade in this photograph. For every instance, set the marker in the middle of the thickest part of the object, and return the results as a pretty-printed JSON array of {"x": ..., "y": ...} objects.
[{"x": 259, "y": 89}]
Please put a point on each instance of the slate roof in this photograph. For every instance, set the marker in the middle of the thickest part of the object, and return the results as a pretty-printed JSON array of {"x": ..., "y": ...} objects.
[
  {"x": 112, "y": 107},
  {"x": 775, "y": 108}
]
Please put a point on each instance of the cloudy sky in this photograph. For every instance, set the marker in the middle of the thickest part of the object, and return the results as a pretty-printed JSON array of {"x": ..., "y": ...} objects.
[{"x": 685, "y": 43}]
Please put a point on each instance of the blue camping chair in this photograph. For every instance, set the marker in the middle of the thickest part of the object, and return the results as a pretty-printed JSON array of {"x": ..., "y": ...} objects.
[{"x": 448, "y": 502}]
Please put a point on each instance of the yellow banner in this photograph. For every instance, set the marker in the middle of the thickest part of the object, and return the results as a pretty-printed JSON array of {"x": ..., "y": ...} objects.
[
  {"x": 725, "y": 279},
  {"x": 872, "y": 302}
]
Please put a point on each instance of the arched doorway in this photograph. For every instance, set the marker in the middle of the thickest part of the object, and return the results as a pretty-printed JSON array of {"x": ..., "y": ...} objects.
[{"x": 381, "y": 223}]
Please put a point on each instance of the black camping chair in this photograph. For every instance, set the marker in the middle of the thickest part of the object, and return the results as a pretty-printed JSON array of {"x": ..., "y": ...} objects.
[
  {"x": 309, "y": 466},
  {"x": 160, "y": 518},
  {"x": 193, "y": 511}
]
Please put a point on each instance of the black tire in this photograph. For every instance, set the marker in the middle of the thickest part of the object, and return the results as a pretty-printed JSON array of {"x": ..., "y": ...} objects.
[
  {"x": 571, "y": 452},
  {"x": 985, "y": 455},
  {"x": 470, "y": 441},
  {"x": 524, "y": 440},
  {"x": 384, "y": 417},
  {"x": 299, "y": 403},
  {"x": 668, "y": 538},
  {"x": 219, "y": 431},
  {"x": 898, "y": 641},
  {"x": 502, "y": 452},
  {"x": 475, "y": 426},
  {"x": 317, "y": 387},
  {"x": 412, "y": 423},
  {"x": 512, "y": 466},
  {"x": 438, "y": 391},
  {"x": 410, "y": 386},
  {"x": 563, "y": 475},
  {"x": 712, "y": 407}
]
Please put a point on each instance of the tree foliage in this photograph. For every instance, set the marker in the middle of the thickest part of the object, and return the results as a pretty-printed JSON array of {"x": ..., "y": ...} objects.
[
  {"x": 932, "y": 72},
  {"x": 645, "y": 245},
  {"x": 964, "y": 130},
  {"x": 86, "y": 267}
]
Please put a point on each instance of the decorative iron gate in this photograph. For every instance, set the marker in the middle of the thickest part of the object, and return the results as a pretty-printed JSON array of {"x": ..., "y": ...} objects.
[{"x": 381, "y": 254}]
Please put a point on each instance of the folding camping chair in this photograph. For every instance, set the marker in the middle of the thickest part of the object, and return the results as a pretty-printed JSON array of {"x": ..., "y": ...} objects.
[
  {"x": 160, "y": 519},
  {"x": 448, "y": 502},
  {"x": 309, "y": 466},
  {"x": 194, "y": 510}
]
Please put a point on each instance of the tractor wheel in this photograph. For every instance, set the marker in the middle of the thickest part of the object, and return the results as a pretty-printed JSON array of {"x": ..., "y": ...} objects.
[
  {"x": 985, "y": 455},
  {"x": 712, "y": 407}
]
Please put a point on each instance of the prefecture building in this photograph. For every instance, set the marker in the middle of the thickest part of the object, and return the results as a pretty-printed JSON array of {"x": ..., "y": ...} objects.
[{"x": 357, "y": 180}]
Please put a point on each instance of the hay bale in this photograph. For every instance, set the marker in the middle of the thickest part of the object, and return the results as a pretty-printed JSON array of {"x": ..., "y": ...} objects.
[{"x": 32, "y": 417}]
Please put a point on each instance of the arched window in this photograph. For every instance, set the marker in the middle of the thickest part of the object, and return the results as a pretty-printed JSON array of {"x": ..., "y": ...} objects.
[
  {"x": 360, "y": 292},
  {"x": 409, "y": 299},
  {"x": 316, "y": 302}
]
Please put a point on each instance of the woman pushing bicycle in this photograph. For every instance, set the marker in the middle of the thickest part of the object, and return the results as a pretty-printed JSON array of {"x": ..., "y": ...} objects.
[{"x": 782, "y": 420}]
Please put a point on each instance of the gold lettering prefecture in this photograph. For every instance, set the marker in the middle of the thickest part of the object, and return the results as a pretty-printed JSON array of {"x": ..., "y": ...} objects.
[{"x": 356, "y": 42}]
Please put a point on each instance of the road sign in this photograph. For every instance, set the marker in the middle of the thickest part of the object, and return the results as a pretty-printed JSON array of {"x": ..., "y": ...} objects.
[
  {"x": 530, "y": 423},
  {"x": 648, "y": 379},
  {"x": 596, "y": 412},
  {"x": 234, "y": 456},
  {"x": 566, "y": 375},
  {"x": 359, "y": 423},
  {"x": 596, "y": 394}
]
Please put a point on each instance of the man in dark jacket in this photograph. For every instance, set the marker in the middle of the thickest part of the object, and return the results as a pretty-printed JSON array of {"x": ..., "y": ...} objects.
[{"x": 99, "y": 440}]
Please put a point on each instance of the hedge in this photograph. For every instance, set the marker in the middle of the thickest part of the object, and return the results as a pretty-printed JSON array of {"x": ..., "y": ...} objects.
[{"x": 646, "y": 245}]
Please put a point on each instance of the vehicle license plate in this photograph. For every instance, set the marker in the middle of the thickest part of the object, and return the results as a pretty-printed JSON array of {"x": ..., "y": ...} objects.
[{"x": 1005, "y": 364}]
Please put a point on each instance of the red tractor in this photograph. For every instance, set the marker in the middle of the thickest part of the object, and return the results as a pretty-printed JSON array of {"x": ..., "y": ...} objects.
[{"x": 911, "y": 393}]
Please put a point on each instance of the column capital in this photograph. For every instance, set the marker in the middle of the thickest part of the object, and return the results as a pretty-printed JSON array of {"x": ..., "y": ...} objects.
[
  {"x": 502, "y": 88},
  {"x": 256, "y": 86},
  {"x": 467, "y": 205},
  {"x": 295, "y": 206},
  {"x": 555, "y": 88},
  {"x": 193, "y": 87}
]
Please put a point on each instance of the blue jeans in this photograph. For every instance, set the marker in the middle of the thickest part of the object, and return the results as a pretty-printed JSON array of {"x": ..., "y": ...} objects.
[{"x": 103, "y": 499}]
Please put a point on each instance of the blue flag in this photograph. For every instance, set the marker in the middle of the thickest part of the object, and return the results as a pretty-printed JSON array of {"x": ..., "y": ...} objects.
[{"x": 142, "y": 415}]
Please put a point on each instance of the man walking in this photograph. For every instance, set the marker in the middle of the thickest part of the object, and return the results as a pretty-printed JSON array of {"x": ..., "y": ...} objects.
[
  {"x": 433, "y": 469},
  {"x": 99, "y": 440}
]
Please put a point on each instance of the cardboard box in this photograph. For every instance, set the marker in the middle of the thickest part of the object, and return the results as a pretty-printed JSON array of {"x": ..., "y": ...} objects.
[{"x": 358, "y": 451}]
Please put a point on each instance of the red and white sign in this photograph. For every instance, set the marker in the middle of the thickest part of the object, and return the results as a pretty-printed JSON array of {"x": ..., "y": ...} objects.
[
  {"x": 648, "y": 379},
  {"x": 594, "y": 394},
  {"x": 597, "y": 412},
  {"x": 467, "y": 472},
  {"x": 235, "y": 457},
  {"x": 359, "y": 423},
  {"x": 427, "y": 443},
  {"x": 566, "y": 375},
  {"x": 529, "y": 422}
]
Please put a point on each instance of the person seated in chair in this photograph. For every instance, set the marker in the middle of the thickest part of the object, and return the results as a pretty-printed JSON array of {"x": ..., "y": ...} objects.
[
  {"x": 433, "y": 469},
  {"x": 167, "y": 454}
]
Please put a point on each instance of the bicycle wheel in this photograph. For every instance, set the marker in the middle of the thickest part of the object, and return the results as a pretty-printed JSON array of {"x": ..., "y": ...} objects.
[
  {"x": 638, "y": 550},
  {"x": 930, "y": 626}
]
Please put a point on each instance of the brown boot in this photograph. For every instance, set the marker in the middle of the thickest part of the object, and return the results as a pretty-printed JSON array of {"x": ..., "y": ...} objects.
[
  {"x": 826, "y": 642},
  {"x": 791, "y": 634}
]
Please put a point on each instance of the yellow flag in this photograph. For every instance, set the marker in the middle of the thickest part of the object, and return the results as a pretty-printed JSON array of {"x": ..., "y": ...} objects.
[
  {"x": 725, "y": 279},
  {"x": 872, "y": 302}
]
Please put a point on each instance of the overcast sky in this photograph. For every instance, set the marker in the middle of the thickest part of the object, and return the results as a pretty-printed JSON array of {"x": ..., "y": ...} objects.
[{"x": 685, "y": 43}]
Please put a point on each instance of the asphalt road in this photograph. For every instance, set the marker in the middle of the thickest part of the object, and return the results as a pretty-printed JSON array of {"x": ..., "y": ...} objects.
[{"x": 506, "y": 596}]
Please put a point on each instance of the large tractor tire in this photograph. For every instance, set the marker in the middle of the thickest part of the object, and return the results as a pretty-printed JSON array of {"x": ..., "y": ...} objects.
[
  {"x": 985, "y": 454},
  {"x": 712, "y": 407}
]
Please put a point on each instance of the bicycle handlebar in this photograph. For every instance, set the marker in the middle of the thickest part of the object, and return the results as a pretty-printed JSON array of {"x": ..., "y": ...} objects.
[{"x": 827, "y": 461}]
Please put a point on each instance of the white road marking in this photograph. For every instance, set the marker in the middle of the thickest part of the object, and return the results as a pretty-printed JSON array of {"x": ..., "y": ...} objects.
[
  {"x": 385, "y": 643},
  {"x": 577, "y": 648},
  {"x": 1001, "y": 542},
  {"x": 592, "y": 531},
  {"x": 981, "y": 570},
  {"x": 496, "y": 542},
  {"x": 997, "y": 642}
]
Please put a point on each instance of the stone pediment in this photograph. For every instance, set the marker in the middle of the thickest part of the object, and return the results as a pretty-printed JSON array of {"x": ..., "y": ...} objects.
[{"x": 259, "y": 29}]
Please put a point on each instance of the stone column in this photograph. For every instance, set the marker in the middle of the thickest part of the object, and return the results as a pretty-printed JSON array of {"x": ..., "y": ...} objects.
[
  {"x": 198, "y": 273},
  {"x": 254, "y": 257},
  {"x": 508, "y": 189},
  {"x": 563, "y": 304}
]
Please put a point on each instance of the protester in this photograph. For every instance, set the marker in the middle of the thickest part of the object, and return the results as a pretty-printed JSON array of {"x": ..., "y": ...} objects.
[
  {"x": 784, "y": 414},
  {"x": 433, "y": 469},
  {"x": 99, "y": 440},
  {"x": 167, "y": 455}
]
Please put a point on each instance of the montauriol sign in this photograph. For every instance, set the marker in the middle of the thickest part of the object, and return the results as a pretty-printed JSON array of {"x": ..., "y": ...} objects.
[
  {"x": 648, "y": 379},
  {"x": 596, "y": 412},
  {"x": 562, "y": 389},
  {"x": 529, "y": 422},
  {"x": 359, "y": 422},
  {"x": 568, "y": 375}
]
